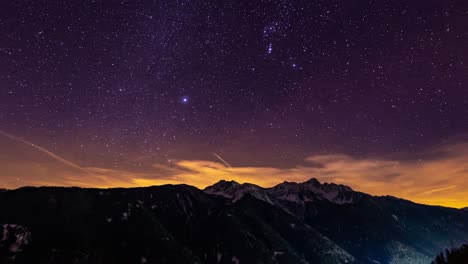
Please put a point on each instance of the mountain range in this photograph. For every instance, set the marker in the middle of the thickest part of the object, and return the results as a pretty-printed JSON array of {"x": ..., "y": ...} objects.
[{"x": 228, "y": 222}]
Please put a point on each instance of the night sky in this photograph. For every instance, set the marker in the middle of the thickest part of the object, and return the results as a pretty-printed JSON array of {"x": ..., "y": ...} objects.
[{"x": 373, "y": 94}]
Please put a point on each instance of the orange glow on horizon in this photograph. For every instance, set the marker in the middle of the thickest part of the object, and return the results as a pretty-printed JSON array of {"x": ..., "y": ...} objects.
[{"x": 442, "y": 180}]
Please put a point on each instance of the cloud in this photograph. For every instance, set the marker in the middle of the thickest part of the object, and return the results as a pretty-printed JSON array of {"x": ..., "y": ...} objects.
[
  {"x": 440, "y": 178},
  {"x": 439, "y": 181}
]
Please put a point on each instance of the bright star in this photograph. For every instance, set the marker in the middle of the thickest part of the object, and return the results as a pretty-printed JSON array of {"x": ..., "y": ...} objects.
[{"x": 184, "y": 99}]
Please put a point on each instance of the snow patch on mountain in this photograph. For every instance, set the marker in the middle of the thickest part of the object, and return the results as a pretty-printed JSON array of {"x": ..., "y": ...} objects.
[
  {"x": 304, "y": 192},
  {"x": 235, "y": 191},
  {"x": 312, "y": 190}
]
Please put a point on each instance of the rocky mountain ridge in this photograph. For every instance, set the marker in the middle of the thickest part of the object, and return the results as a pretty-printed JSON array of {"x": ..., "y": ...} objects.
[
  {"x": 228, "y": 222},
  {"x": 307, "y": 191}
]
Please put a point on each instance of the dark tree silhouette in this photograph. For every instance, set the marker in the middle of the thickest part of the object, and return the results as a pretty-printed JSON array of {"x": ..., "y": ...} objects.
[{"x": 454, "y": 256}]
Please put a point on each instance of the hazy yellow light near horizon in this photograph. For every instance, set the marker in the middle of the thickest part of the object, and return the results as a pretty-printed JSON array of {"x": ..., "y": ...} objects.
[
  {"x": 372, "y": 177},
  {"x": 440, "y": 180}
]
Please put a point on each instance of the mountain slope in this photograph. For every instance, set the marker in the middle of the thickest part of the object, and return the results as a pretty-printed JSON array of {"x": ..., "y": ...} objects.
[
  {"x": 372, "y": 229},
  {"x": 227, "y": 223}
]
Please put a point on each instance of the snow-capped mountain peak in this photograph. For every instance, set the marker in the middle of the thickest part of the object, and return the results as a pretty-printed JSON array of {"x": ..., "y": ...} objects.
[
  {"x": 307, "y": 191},
  {"x": 234, "y": 190},
  {"x": 223, "y": 188},
  {"x": 312, "y": 189}
]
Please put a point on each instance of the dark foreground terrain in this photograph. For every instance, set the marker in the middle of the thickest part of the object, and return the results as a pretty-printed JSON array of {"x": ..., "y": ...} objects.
[
  {"x": 453, "y": 256},
  {"x": 228, "y": 222}
]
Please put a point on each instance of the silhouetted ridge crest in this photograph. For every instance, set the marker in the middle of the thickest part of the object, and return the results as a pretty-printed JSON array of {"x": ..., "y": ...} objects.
[
  {"x": 307, "y": 191},
  {"x": 307, "y": 222}
]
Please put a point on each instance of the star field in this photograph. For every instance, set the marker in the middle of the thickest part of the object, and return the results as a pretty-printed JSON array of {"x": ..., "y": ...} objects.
[{"x": 262, "y": 83}]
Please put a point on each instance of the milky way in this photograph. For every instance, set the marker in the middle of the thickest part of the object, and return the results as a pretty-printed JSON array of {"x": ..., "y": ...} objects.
[{"x": 126, "y": 84}]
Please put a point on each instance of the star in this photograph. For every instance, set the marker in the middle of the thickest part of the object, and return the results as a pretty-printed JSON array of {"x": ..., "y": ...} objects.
[
  {"x": 184, "y": 99},
  {"x": 270, "y": 48}
]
